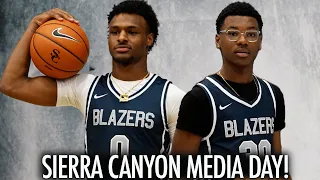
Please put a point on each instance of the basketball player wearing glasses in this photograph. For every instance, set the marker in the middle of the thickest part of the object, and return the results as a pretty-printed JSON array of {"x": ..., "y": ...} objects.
[
  {"x": 233, "y": 111},
  {"x": 127, "y": 111}
]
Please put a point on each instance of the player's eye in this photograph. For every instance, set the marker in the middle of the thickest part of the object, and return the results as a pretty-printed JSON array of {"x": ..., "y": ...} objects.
[
  {"x": 252, "y": 34},
  {"x": 113, "y": 32},
  {"x": 233, "y": 33},
  {"x": 132, "y": 32}
]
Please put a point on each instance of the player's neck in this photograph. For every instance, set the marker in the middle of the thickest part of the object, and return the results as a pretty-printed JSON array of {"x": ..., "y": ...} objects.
[
  {"x": 237, "y": 74},
  {"x": 131, "y": 72}
]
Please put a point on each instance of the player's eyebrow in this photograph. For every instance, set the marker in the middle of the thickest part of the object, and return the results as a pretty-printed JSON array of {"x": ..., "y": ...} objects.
[
  {"x": 125, "y": 27},
  {"x": 250, "y": 27},
  {"x": 232, "y": 27}
]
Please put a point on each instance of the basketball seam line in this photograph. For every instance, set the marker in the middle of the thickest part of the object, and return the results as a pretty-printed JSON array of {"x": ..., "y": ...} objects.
[
  {"x": 61, "y": 46},
  {"x": 75, "y": 32},
  {"x": 48, "y": 63}
]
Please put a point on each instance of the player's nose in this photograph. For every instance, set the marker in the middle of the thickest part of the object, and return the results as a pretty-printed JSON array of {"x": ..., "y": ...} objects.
[
  {"x": 122, "y": 36},
  {"x": 242, "y": 40}
]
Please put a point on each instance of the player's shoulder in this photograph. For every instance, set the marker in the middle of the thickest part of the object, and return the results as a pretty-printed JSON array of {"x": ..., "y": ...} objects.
[
  {"x": 161, "y": 79},
  {"x": 275, "y": 88},
  {"x": 85, "y": 76},
  {"x": 277, "y": 91},
  {"x": 198, "y": 89},
  {"x": 197, "y": 93},
  {"x": 272, "y": 85},
  {"x": 173, "y": 91},
  {"x": 214, "y": 76},
  {"x": 206, "y": 82},
  {"x": 175, "y": 94},
  {"x": 78, "y": 78}
]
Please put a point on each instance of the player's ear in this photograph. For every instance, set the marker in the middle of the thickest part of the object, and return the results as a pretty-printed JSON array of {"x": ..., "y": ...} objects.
[
  {"x": 150, "y": 39},
  {"x": 218, "y": 41}
]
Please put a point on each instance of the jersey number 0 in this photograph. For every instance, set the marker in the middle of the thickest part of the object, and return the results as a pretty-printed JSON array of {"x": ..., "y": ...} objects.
[{"x": 119, "y": 144}]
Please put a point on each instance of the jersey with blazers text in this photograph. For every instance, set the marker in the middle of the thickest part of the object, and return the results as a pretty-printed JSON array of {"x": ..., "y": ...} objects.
[
  {"x": 239, "y": 126},
  {"x": 138, "y": 126}
]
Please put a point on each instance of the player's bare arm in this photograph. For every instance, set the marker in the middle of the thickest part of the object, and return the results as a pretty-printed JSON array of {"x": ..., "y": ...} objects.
[
  {"x": 277, "y": 142},
  {"x": 185, "y": 142},
  {"x": 190, "y": 123},
  {"x": 15, "y": 81},
  {"x": 278, "y": 147}
]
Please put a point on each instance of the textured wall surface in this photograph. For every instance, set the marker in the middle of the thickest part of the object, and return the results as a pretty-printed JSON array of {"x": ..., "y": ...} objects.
[{"x": 185, "y": 53}]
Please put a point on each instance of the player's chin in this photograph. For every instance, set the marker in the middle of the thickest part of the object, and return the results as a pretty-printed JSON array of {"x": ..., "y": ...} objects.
[
  {"x": 243, "y": 62},
  {"x": 123, "y": 59}
]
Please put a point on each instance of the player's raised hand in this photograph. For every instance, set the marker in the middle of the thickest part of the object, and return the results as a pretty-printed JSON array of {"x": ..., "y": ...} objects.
[{"x": 56, "y": 13}]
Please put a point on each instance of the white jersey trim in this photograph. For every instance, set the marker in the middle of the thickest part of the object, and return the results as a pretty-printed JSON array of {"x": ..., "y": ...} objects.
[
  {"x": 136, "y": 95},
  {"x": 273, "y": 97},
  {"x": 236, "y": 98},
  {"x": 164, "y": 115},
  {"x": 214, "y": 110},
  {"x": 87, "y": 108},
  {"x": 143, "y": 90}
]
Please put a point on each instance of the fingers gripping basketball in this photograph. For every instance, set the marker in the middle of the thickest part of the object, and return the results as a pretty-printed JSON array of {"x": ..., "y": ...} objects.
[{"x": 59, "y": 49}]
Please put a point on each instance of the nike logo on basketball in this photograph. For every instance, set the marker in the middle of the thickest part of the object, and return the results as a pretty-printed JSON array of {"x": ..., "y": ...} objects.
[
  {"x": 58, "y": 34},
  {"x": 224, "y": 107},
  {"x": 100, "y": 96}
]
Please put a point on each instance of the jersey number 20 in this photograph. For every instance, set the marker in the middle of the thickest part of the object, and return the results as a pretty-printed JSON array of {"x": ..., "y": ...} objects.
[{"x": 251, "y": 148}]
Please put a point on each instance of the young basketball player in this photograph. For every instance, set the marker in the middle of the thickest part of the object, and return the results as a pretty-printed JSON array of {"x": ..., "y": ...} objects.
[
  {"x": 233, "y": 111},
  {"x": 127, "y": 111}
]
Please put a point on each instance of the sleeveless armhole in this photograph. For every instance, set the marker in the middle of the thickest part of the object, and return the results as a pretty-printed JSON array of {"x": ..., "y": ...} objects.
[
  {"x": 273, "y": 98},
  {"x": 214, "y": 115},
  {"x": 90, "y": 92},
  {"x": 164, "y": 117}
]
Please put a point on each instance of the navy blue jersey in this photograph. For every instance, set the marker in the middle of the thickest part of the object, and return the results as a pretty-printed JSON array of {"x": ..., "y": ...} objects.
[
  {"x": 239, "y": 127},
  {"x": 138, "y": 126}
]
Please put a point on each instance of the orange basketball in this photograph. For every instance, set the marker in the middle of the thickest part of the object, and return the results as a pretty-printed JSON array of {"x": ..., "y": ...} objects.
[{"x": 59, "y": 49}]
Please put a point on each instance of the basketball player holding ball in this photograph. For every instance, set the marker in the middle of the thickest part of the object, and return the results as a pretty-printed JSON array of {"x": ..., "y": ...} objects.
[{"x": 127, "y": 111}]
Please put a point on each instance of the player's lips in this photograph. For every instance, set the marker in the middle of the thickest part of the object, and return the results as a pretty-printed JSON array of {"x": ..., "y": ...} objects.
[
  {"x": 242, "y": 52},
  {"x": 122, "y": 48}
]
